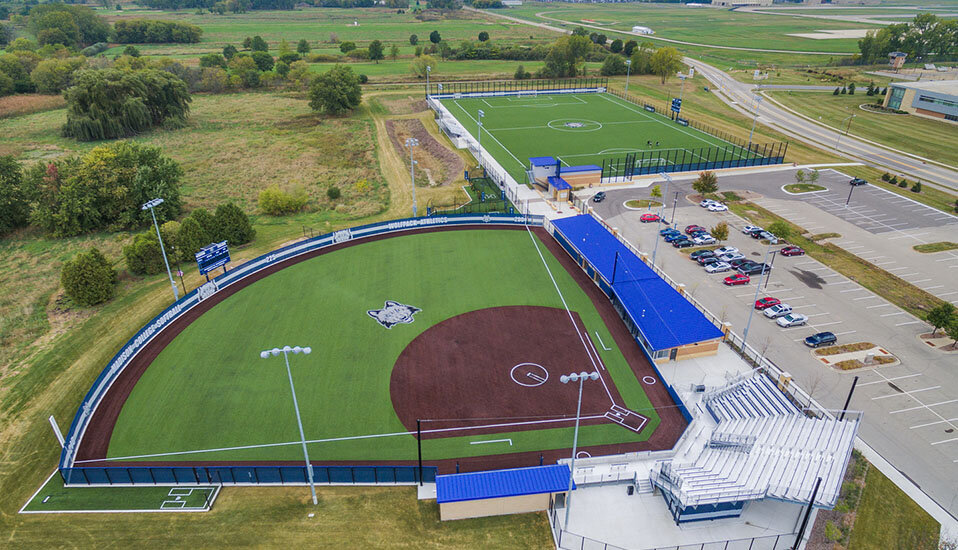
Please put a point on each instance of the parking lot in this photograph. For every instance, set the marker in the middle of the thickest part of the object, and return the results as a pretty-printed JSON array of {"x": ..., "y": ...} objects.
[{"x": 911, "y": 409}]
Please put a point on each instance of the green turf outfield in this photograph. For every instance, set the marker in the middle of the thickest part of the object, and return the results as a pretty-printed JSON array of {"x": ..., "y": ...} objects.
[
  {"x": 604, "y": 126},
  {"x": 53, "y": 497},
  {"x": 209, "y": 389}
]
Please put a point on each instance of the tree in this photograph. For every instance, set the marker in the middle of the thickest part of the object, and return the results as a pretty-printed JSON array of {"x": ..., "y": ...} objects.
[
  {"x": 521, "y": 73},
  {"x": 844, "y": 90},
  {"x": 393, "y": 52},
  {"x": 213, "y": 60},
  {"x": 419, "y": 64},
  {"x": 434, "y": 37},
  {"x": 258, "y": 44},
  {"x": 143, "y": 256},
  {"x": 335, "y": 92},
  {"x": 375, "y": 51},
  {"x": 655, "y": 193},
  {"x": 229, "y": 51},
  {"x": 111, "y": 103},
  {"x": 579, "y": 31},
  {"x": 413, "y": 39},
  {"x": 88, "y": 278},
  {"x": 247, "y": 43},
  {"x": 566, "y": 57},
  {"x": 666, "y": 62},
  {"x": 720, "y": 231},
  {"x": 234, "y": 225},
  {"x": 299, "y": 73},
  {"x": 347, "y": 46},
  {"x": 616, "y": 46},
  {"x": 837, "y": 91},
  {"x": 916, "y": 188},
  {"x": 190, "y": 238},
  {"x": 780, "y": 229},
  {"x": 55, "y": 75},
  {"x": 263, "y": 60},
  {"x": 70, "y": 25},
  {"x": 851, "y": 88},
  {"x": 14, "y": 210},
  {"x": 302, "y": 47},
  {"x": 807, "y": 176},
  {"x": 941, "y": 316},
  {"x": 613, "y": 65},
  {"x": 483, "y": 36},
  {"x": 706, "y": 183},
  {"x": 953, "y": 332},
  {"x": 131, "y": 51},
  {"x": 629, "y": 47}
]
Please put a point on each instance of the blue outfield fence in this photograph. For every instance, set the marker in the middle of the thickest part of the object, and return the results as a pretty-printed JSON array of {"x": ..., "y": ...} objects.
[{"x": 86, "y": 475}]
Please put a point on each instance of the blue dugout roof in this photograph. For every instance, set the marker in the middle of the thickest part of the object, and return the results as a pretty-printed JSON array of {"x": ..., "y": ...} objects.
[
  {"x": 582, "y": 168},
  {"x": 502, "y": 483},
  {"x": 542, "y": 161},
  {"x": 663, "y": 316},
  {"x": 558, "y": 183}
]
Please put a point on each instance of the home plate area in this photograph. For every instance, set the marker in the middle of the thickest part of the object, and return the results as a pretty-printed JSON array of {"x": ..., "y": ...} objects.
[{"x": 497, "y": 370}]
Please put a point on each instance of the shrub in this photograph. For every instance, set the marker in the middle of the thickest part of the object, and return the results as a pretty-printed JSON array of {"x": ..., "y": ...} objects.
[
  {"x": 363, "y": 79},
  {"x": 276, "y": 202},
  {"x": 720, "y": 231},
  {"x": 893, "y": 180},
  {"x": 347, "y": 46},
  {"x": 213, "y": 60},
  {"x": 324, "y": 58},
  {"x": 522, "y": 73},
  {"x": 903, "y": 183},
  {"x": 613, "y": 65},
  {"x": 88, "y": 279},
  {"x": 263, "y": 60},
  {"x": 832, "y": 532},
  {"x": 333, "y": 193},
  {"x": 208, "y": 224},
  {"x": 916, "y": 188},
  {"x": 886, "y": 176},
  {"x": 190, "y": 238},
  {"x": 413, "y": 39},
  {"x": 143, "y": 255},
  {"x": 234, "y": 224},
  {"x": 13, "y": 205},
  {"x": 258, "y": 44},
  {"x": 837, "y": 91}
]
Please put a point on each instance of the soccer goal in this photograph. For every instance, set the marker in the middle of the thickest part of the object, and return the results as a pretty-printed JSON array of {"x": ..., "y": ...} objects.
[{"x": 527, "y": 94}]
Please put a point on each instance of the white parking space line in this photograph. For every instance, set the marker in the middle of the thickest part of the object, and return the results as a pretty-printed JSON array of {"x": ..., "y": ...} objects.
[
  {"x": 846, "y": 332},
  {"x": 920, "y": 281},
  {"x": 923, "y": 406},
  {"x": 945, "y": 441},
  {"x": 908, "y": 323},
  {"x": 879, "y": 305},
  {"x": 859, "y": 289},
  {"x": 895, "y": 313},
  {"x": 890, "y": 379},
  {"x": 908, "y": 274},
  {"x": 948, "y": 293},
  {"x": 925, "y": 425},
  {"x": 866, "y": 297},
  {"x": 817, "y": 315},
  {"x": 931, "y": 287},
  {"x": 905, "y": 393},
  {"x": 897, "y": 268}
]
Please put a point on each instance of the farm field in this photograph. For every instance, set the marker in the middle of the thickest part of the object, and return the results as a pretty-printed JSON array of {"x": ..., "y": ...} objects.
[
  {"x": 212, "y": 371},
  {"x": 912, "y": 134},
  {"x": 700, "y": 25}
]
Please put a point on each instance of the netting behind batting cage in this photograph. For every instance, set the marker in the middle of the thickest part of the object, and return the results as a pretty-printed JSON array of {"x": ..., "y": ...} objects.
[
  {"x": 530, "y": 88},
  {"x": 692, "y": 160}
]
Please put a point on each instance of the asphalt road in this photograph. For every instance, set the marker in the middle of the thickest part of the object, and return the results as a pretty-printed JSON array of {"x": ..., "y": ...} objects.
[{"x": 911, "y": 409}]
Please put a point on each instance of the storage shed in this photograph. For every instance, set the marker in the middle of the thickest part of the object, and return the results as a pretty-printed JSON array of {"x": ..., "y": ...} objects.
[{"x": 500, "y": 492}]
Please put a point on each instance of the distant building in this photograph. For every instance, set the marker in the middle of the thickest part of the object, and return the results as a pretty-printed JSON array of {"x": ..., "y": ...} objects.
[
  {"x": 897, "y": 59},
  {"x": 739, "y": 3},
  {"x": 642, "y": 30},
  {"x": 512, "y": 3},
  {"x": 935, "y": 99}
]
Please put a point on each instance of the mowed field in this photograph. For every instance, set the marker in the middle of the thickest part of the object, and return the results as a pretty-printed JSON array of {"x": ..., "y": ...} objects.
[
  {"x": 701, "y": 25},
  {"x": 209, "y": 388},
  {"x": 603, "y": 127}
]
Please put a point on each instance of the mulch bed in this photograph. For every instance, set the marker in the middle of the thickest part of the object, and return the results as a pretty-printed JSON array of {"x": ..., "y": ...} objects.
[{"x": 447, "y": 163}]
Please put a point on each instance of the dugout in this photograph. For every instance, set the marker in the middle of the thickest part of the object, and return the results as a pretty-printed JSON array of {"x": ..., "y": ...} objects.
[
  {"x": 500, "y": 492},
  {"x": 667, "y": 325},
  {"x": 549, "y": 173}
]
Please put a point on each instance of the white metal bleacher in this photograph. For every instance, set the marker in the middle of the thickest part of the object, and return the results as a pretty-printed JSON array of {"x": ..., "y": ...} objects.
[{"x": 763, "y": 446}]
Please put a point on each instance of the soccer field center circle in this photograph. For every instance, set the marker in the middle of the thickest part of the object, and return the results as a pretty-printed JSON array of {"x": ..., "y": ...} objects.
[
  {"x": 574, "y": 125},
  {"x": 464, "y": 308}
]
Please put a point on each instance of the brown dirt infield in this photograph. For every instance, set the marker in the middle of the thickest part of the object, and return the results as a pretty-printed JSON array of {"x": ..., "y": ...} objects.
[{"x": 95, "y": 442}]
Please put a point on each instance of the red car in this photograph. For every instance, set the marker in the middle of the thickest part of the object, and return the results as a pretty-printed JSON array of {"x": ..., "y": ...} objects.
[
  {"x": 693, "y": 228},
  {"x": 792, "y": 251},
  {"x": 737, "y": 279},
  {"x": 649, "y": 218},
  {"x": 767, "y": 302}
]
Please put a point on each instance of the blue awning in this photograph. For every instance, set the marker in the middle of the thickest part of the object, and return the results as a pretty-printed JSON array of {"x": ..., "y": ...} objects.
[
  {"x": 542, "y": 161},
  {"x": 502, "y": 483},
  {"x": 663, "y": 316},
  {"x": 582, "y": 168},
  {"x": 558, "y": 183}
]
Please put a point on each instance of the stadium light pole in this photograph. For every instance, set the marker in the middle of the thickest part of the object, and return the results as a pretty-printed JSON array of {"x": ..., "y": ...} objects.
[
  {"x": 481, "y": 114},
  {"x": 285, "y": 350},
  {"x": 150, "y": 206},
  {"x": 658, "y": 223},
  {"x": 412, "y": 142},
  {"x": 758, "y": 288},
  {"x": 628, "y": 70},
  {"x": 565, "y": 379},
  {"x": 758, "y": 103},
  {"x": 428, "y": 70},
  {"x": 847, "y": 128}
]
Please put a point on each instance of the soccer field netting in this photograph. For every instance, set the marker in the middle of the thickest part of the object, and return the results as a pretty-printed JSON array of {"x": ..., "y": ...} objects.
[{"x": 594, "y": 128}]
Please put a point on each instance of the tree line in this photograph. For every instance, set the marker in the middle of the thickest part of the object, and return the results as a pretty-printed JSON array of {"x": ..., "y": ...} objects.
[
  {"x": 154, "y": 31},
  {"x": 925, "y": 37}
]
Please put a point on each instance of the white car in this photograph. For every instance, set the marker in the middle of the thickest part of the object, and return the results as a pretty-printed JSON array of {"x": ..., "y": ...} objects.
[
  {"x": 725, "y": 250},
  {"x": 706, "y": 203},
  {"x": 704, "y": 239},
  {"x": 717, "y": 267},
  {"x": 717, "y": 207},
  {"x": 749, "y": 228},
  {"x": 792, "y": 320},
  {"x": 731, "y": 256},
  {"x": 780, "y": 310}
]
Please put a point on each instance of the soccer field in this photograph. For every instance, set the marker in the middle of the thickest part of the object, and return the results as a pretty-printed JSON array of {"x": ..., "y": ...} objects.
[
  {"x": 580, "y": 129},
  {"x": 209, "y": 395}
]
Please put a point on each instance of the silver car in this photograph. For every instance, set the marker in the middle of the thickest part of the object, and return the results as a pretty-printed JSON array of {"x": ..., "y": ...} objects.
[
  {"x": 717, "y": 267},
  {"x": 792, "y": 320}
]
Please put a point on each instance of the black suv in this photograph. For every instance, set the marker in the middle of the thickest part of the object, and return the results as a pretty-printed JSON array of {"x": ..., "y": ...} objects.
[
  {"x": 858, "y": 181},
  {"x": 753, "y": 268},
  {"x": 599, "y": 197}
]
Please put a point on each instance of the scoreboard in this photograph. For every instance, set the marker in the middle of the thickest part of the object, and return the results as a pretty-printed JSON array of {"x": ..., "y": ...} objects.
[{"x": 213, "y": 256}]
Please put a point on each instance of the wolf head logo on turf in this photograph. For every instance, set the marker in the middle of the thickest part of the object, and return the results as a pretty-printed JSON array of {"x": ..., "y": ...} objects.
[{"x": 393, "y": 313}]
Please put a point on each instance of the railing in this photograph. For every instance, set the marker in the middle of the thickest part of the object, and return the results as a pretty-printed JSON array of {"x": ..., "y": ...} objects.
[{"x": 150, "y": 331}]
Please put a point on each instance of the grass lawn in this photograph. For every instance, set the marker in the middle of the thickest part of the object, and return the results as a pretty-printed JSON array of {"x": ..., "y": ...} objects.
[
  {"x": 803, "y": 188},
  {"x": 916, "y": 135},
  {"x": 212, "y": 371},
  {"x": 700, "y": 25},
  {"x": 643, "y": 203},
  {"x": 935, "y": 247},
  {"x": 54, "y": 497},
  {"x": 581, "y": 129},
  {"x": 887, "y": 518}
]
